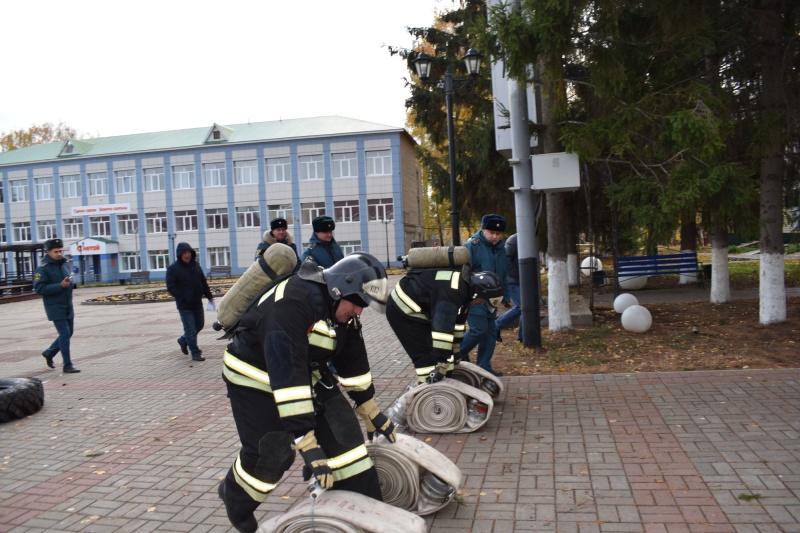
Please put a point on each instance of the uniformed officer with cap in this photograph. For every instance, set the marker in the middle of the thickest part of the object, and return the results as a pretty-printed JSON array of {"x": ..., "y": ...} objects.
[
  {"x": 278, "y": 232},
  {"x": 488, "y": 254},
  {"x": 322, "y": 247},
  {"x": 53, "y": 280}
]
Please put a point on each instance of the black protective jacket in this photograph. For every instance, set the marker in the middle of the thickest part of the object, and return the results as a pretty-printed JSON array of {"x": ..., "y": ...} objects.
[{"x": 186, "y": 282}]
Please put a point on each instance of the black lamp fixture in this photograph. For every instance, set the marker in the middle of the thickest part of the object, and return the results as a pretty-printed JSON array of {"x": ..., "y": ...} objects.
[{"x": 422, "y": 64}]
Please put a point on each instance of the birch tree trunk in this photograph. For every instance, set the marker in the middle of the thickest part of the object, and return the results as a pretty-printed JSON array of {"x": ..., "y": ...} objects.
[{"x": 720, "y": 274}]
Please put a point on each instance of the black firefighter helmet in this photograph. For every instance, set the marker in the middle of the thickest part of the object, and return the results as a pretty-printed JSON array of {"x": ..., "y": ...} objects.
[
  {"x": 486, "y": 286},
  {"x": 358, "y": 278}
]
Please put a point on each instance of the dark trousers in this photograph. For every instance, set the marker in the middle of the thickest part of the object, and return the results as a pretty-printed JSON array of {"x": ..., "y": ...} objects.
[
  {"x": 414, "y": 336},
  {"x": 61, "y": 344},
  {"x": 193, "y": 321}
]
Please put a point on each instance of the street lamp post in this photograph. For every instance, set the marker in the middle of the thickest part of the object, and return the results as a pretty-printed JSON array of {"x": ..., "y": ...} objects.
[
  {"x": 386, "y": 228},
  {"x": 472, "y": 61}
]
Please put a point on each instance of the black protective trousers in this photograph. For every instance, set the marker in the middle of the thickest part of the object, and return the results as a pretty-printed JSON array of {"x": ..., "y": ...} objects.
[{"x": 267, "y": 452}]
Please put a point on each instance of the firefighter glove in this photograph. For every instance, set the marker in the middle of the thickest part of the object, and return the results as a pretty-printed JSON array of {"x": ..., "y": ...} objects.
[
  {"x": 439, "y": 373},
  {"x": 375, "y": 420},
  {"x": 316, "y": 463}
]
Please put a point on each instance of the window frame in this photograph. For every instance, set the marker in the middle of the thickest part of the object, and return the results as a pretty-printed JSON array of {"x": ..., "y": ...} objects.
[
  {"x": 181, "y": 217},
  {"x": 97, "y": 183},
  {"x": 220, "y": 213},
  {"x": 372, "y": 157},
  {"x": 312, "y": 161},
  {"x": 311, "y": 210},
  {"x": 102, "y": 222},
  {"x": 44, "y": 188},
  {"x": 346, "y": 211},
  {"x": 240, "y": 177},
  {"x": 125, "y": 181},
  {"x": 19, "y": 190},
  {"x": 183, "y": 175},
  {"x": 154, "y": 175},
  {"x": 70, "y": 181},
  {"x": 248, "y": 216},
  {"x": 285, "y": 166},
  {"x": 338, "y": 161},
  {"x": 214, "y": 174}
]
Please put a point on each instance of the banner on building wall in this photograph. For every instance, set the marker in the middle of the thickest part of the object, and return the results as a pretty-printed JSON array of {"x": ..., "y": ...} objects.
[
  {"x": 93, "y": 247},
  {"x": 105, "y": 209}
]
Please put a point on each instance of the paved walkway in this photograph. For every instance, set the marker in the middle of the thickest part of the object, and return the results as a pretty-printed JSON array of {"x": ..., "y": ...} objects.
[{"x": 139, "y": 440}]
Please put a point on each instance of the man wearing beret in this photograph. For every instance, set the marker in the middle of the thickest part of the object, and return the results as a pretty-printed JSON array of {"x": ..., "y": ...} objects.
[
  {"x": 53, "y": 281},
  {"x": 322, "y": 247},
  {"x": 278, "y": 232},
  {"x": 488, "y": 254}
]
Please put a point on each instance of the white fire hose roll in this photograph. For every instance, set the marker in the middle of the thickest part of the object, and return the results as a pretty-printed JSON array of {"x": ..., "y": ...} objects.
[{"x": 276, "y": 261}]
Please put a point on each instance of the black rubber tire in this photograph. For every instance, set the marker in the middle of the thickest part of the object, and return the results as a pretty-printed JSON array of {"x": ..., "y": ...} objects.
[{"x": 20, "y": 397}]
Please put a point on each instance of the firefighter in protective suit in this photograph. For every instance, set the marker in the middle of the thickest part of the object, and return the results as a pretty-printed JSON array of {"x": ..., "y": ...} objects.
[
  {"x": 428, "y": 309},
  {"x": 283, "y": 397}
]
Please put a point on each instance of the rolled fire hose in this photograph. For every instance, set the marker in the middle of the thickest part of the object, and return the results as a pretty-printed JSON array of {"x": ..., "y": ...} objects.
[
  {"x": 477, "y": 377},
  {"x": 437, "y": 410},
  {"x": 342, "y": 511},
  {"x": 398, "y": 477}
]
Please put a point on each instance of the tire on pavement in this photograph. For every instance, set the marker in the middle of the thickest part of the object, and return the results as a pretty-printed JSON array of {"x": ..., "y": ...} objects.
[{"x": 20, "y": 397}]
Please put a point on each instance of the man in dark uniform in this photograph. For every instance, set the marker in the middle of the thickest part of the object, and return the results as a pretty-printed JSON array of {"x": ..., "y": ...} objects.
[
  {"x": 53, "y": 281},
  {"x": 278, "y": 232},
  {"x": 322, "y": 247},
  {"x": 427, "y": 311},
  {"x": 283, "y": 397}
]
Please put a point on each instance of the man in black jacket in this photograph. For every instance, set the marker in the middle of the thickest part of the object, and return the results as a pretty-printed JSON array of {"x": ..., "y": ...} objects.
[
  {"x": 54, "y": 282},
  {"x": 187, "y": 284}
]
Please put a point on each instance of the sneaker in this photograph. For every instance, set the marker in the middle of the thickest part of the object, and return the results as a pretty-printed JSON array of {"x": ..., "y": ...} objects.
[
  {"x": 198, "y": 358},
  {"x": 49, "y": 359},
  {"x": 184, "y": 347},
  {"x": 71, "y": 370},
  {"x": 495, "y": 373}
]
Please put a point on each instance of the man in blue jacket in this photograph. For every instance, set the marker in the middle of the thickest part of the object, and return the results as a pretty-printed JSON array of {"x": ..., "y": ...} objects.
[
  {"x": 322, "y": 247},
  {"x": 488, "y": 255},
  {"x": 187, "y": 284},
  {"x": 53, "y": 281}
]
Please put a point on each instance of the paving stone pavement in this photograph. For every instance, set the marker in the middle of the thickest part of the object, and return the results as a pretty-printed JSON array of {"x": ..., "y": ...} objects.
[{"x": 139, "y": 440}]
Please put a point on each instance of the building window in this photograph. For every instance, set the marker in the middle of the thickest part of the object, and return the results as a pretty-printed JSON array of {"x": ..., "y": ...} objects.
[
  {"x": 44, "y": 188},
  {"x": 100, "y": 226},
  {"x": 71, "y": 186},
  {"x": 125, "y": 181},
  {"x": 245, "y": 172},
  {"x": 311, "y": 167},
  {"x": 311, "y": 210},
  {"x": 46, "y": 229},
  {"x": 348, "y": 247},
  {"x": 73, "y": 228},
  {"x": 217, "y": 218},
  {"x": 98, "y": 183},
  {"x": 346, "y": 211},
  {"x": 379, "y": 163},
  {"x": 214, "y": 175},
  {"x": 344, "y": 165},
  {"x": 128, "y": 224},
  {"x": 158, "y": 259},
  {"x": 22, "y": 231},
  {"x": 183, "y": 177},
  {"x": 186, "y": 220},
  {"x": 279, "y": 169},
  {"x": 19, "y": 191},
  {"x": 248, "y": 217},
  {"x": 380, "y": 209},
  {"x": 2, "y": 198},
  {"x": 3, "y": 234},
  {"x": 281, "y": 210},
  {"x": 156, "y": 222},
  {"x": 154, "y": 179},
  {"x": 129, "y": 262},
  {"x": 219, "y": 256}
]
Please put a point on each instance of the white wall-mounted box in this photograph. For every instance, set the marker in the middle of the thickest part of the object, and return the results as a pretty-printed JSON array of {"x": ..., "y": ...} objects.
[{"x": 556, "y": 172}]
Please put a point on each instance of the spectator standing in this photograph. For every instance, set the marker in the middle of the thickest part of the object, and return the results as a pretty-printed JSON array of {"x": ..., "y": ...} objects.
[
  {"x": 283, "y": 397},
  {"x": 278, "y": 232},
  {"x": 187, "y": 284},
  {"x": 322, "y": 247},
  {"x": 513, "y": 290},
  {"x": 487, "y": 254},
  {"x": 53, "y": 281}
]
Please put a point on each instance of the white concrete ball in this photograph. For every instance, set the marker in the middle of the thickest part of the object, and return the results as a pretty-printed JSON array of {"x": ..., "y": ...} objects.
[
  {"x": 632, "y": 283},
  {"x": 624, "y": 301},
  {"x": 586, "y": 265},
  {"x": 637, "y": 319}
]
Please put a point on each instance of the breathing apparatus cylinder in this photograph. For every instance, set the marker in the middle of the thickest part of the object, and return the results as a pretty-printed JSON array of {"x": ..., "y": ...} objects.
[
  {"x": 442, "y": 257},
  {"x": 276, "y": 261}
]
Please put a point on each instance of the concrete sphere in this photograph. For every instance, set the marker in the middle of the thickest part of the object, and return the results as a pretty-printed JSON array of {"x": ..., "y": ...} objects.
[
  {"x": 586, "y": 265},
  {"x": 624, "y": 301},
  {"x": 631, "y": 283},
  {"x": 637, "y": 319}
]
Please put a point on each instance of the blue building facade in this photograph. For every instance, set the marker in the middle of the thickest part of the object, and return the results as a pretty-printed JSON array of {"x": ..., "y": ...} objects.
[{"x": 121, "y": 204}]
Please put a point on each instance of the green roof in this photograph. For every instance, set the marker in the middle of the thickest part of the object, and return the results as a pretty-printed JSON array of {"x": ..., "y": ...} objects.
[{"x": 278, "y": 130}]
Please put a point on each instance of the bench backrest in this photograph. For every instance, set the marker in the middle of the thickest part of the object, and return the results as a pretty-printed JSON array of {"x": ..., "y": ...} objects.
[
  {"x": 145, "y": 274},
  {"x": 642, "y": 265}
]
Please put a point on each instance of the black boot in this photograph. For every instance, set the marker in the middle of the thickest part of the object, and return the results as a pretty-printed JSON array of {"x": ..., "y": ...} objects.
[
  {"x": 246, "y": 523},
  {"x": 499, "y": 338}
]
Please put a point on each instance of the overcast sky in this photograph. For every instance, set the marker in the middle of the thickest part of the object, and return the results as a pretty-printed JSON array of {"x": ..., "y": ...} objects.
[{"x": 114, "y": 67}]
